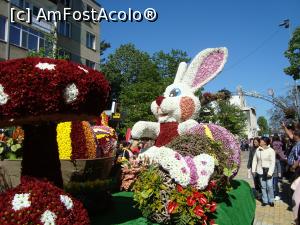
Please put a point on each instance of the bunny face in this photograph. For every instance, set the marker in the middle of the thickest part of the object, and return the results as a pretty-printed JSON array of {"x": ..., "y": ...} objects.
[
  {"x": 177, "y": 105},
  {"x": 178, "y": 102}
]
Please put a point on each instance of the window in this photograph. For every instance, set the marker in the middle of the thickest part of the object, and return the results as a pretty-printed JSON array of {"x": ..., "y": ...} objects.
[
  {"x": 2, "y": 28},
  {"x": 90, "y": 41},
  {"x": 35, "y": 10},
  {"x": 64, "y": 54},
  {"x": 89, "y": 8},
  {"x": 90, "y": 64},
  {"x": 64, "y": 28},
  {"x": 21, "y": 4},
  {"x": 26, "y": 37},
  {"x": 66, "y": 2}
]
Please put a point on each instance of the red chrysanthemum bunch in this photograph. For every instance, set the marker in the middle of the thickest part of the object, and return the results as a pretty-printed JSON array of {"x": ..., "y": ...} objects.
[
  {"x": 36, "y": 87},
  {"x": 79, "y": 148},
  {"x": 193, "y": 205},
  {"x": 38, "y": 202}
]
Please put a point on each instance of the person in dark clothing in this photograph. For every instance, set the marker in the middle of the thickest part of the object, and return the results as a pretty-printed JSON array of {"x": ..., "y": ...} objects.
[{"x": 256, "y": 181}]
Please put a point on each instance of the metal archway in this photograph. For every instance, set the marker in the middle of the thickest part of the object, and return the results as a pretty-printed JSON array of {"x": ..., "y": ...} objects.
[{"x": 275, "y": 101}]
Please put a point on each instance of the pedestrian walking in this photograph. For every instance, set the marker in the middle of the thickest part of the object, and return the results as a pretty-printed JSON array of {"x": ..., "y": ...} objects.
[
  {"x": 264, "y": 164},
  {"x": 252, "y": 150},
  {"x": 294, "y": 156}
]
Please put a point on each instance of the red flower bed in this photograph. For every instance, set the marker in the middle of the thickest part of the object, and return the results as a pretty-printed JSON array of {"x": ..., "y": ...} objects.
[
  {"x": 43, "y": 199},
  {"x": 35, "y": 87}
]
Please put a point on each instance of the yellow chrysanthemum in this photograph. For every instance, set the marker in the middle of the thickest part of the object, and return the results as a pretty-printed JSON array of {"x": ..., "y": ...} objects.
[
  {"x": 90, "y": 140},
  {"x": 64, "y": 140},
  {"x": 208, "y": 132}
]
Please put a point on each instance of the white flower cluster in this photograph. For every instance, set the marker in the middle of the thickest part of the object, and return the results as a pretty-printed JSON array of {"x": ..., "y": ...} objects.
[
  {"x": 48, "y": 218},
  {"x": 205, "y": 165},
  {"x": 45, "y": 66},
  {"x": 3, "y": 96},
  {"x": 179, "y": 168},
  {"x": 21, "y": 201},
  {"x": 67, "y": 201},
  {"x": 71, "y": 93}
]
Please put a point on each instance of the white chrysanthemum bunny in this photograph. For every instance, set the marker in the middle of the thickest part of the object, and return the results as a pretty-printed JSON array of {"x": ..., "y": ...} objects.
[{"x": 178, "y": 106}]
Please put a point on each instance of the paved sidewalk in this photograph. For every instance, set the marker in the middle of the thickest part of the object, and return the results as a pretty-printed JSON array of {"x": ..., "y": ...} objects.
[{"x": 278, "y": 215}]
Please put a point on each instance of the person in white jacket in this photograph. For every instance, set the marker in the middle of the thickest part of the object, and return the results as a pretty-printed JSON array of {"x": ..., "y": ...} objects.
[{"x": 263, "y": 164}]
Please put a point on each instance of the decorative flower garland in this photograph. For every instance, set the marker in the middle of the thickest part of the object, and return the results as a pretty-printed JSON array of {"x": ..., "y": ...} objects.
[
  {"x": 184, "y": 170},
  {"x": 39, "y": 202}
]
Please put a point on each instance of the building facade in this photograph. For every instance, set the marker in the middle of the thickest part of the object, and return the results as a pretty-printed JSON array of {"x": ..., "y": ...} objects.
[
  {"x": 79, "y": 41},
  {"x": 250, "y": 112}
]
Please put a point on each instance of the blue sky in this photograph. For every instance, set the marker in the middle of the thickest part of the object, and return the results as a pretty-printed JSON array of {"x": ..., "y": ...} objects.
[{"x": 244, "y": 27}]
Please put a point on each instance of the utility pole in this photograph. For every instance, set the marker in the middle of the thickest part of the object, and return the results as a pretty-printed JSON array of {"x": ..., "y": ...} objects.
[{"x": 7, "y": 49}]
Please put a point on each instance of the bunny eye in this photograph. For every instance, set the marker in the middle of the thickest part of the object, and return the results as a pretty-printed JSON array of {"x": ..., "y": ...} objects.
[{"x": 175, "y": 92}]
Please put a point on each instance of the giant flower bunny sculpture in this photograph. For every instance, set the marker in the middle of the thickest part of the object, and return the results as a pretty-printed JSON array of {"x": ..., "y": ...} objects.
[{"x": 175, "y": 111}]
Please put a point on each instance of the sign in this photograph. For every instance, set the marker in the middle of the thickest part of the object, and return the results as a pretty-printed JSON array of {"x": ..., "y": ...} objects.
[{"x": 116, "y": 116}]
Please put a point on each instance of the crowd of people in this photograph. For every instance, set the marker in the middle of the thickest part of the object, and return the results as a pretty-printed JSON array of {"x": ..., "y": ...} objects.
[{"x": 272, "y": 159}]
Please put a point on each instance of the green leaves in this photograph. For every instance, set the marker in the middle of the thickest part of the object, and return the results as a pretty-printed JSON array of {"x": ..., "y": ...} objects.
[
  {"x": 293, "y": 55},
  {"x": 15, "y": 147},
  {"x": 10, "y": 149},
  {"x": 263, "y": 126},
  {"x": 224, "y": 114}
]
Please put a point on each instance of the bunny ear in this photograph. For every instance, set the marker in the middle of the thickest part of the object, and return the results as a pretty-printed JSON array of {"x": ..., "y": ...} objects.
[
  {"x": 204, "y": 67},
  {"x": 180, "y": 72}
]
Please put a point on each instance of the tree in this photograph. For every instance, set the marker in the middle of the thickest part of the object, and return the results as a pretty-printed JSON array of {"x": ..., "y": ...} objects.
[
  {"x": 293, "y": 55},
  {"x": 167, "y": 63},
  {"x": 128, "y": 65},
  {"x": 103, "y": 46},
  {"x": 263, "y": 126},
  {"x": 221, "y": 112},
  {"x": 50, "y": 50},
  {"x": 136, "y": 99},
  {"x": 277, "y": 114}
]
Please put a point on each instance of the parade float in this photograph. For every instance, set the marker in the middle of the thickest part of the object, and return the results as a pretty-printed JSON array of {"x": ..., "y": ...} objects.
[
  {"x": 187, "y": 176},
  {"x": 38, "y": 93}
]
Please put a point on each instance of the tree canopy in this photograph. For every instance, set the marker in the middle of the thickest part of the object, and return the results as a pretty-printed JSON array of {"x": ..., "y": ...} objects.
[
  {"x": 222, "y": 112},
  {"x": 293, "y": 55},
  {"x": 263, "y": 126}
]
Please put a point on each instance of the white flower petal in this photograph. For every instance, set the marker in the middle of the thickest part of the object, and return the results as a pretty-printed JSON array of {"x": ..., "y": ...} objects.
[
  {"x": 48, "y": 218},
  {"x": 85, "y": 70},
  {"x": 21, "y": 201},
  {"x": 3, "y": 96},
  {"x": 71, "y": 93},
  {"x": 67, "y": 201},
  {"x": 45, "y": 66}
]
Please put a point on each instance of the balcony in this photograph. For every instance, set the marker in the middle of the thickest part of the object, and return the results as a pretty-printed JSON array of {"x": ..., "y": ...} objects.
[{"x": 42, "y": 25}]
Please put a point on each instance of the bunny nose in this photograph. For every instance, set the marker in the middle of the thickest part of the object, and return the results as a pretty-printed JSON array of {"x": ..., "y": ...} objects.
[{"x": 159, "y": 100}]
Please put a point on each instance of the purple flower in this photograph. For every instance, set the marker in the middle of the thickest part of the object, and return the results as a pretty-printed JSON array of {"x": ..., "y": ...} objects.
[
  {"x": 193, "y": 170},
  {"x": 183, "y": 170},
  {"x": 177, "y": 156}
]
